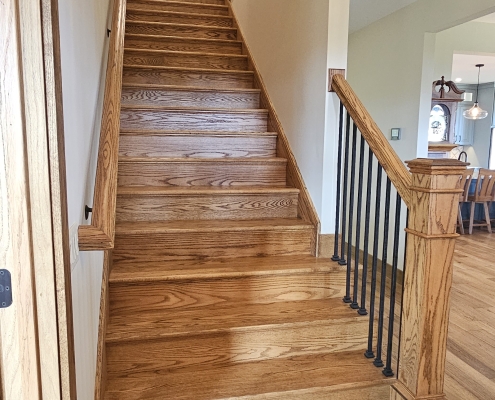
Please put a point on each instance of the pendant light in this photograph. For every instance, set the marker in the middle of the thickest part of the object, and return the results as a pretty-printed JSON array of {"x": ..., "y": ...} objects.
[{"x": 476, "y": 112}]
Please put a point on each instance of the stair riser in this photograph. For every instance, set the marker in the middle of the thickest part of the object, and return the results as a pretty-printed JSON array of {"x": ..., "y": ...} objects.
[
  {"x": 210, "y": 351},
  {"x": 137, "y": 14},
  {"x": 133, "y": 298},
  {"x": 192, "y": 146},
  {"x": 132, "y": 57},
  {"x": 185, "y": 8},
  {"x": 167, "y": 120},
  {"x": 201, "y": 174},
  {"x": 204, "y": 207},
  {"x": 193, "y": 245},
  {"x": 189, "y": 31},
  {"x": 171, "y": 44},
  {"x": 203, "y": 79},
  {"x": 183, "y": 98}
]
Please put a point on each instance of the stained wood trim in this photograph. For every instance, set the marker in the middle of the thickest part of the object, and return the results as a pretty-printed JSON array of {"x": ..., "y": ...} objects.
[
  {"x": 306, "y": 209},
  {"x": 101, "y": 358},
  {"x": 388, "y": 158},
  {"x": 100, "y": 234}
]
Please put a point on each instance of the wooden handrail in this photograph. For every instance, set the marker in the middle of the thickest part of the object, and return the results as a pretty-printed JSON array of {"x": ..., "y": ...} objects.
[
  {"x": 388, "y": 158},
  {"x": 100, "y": 234}
]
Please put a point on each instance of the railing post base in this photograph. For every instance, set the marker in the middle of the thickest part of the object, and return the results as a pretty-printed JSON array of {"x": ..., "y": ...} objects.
[{"x": 433, "y": 211}]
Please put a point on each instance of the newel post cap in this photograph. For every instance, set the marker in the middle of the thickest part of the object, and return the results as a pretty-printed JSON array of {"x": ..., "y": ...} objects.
[{"x": 442, "y": 166}]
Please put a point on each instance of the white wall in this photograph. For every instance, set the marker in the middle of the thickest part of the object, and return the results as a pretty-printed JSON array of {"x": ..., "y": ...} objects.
[
  {"x": 392, "y": 66},
  {"x": 294, "y": 42},
  {"x": 84, "y": 45}
]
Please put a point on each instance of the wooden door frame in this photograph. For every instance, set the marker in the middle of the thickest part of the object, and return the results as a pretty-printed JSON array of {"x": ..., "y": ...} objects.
[{"x": 36, "y": 332}]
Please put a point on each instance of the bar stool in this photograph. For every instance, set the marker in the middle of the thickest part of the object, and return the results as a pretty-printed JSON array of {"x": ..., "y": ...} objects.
[
  {"x": 463, "y": 197},
  {"x": 483, "y": 194}
]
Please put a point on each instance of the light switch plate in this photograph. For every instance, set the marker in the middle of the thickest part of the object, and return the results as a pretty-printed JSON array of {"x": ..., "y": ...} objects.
[{"x": 396, "y": 134}]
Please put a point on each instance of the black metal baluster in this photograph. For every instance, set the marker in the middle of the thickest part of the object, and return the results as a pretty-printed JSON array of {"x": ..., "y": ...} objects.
[
  {"x": 378, "y": 360},
  {"x": 336, "y": 256},
  {"x": 347, "y": 298},
  {"x": 395, "y": 264},
  {"x": 362, "y": 309},
  {"x": 355, "y": 304},
  {"x": 374, "y": 266},
  {"x": 342, "y": 260}
]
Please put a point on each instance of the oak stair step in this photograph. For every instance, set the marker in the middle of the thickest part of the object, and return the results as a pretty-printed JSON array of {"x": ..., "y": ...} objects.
[
  {"x": 180, "y": 119},
  {"x": 181, "y": 30},
  {"x": 135, "y": 13},
  {"x": 148, "y": 171},
  {"x": 188, "y": 240},
  {"x": 166, "y": 58},
  {"x": 191, "y": 144},
  {"x": 175, "y": 43},
  {"x": 185, "y": 96},
  {"x": 345, "y": 375},
  {"x": 216, "y": 2},
  {"x": 181, "y": 6},
  {"x": 197, "y": 203},
  {"x": 197, "y": 77}
]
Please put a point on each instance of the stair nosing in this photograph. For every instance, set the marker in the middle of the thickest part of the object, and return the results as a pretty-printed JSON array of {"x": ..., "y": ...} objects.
[
  {"x": 226, "y": 28},
  {"x": 194, "y": 15},
  {"x": 159, "y": 191},
  {"x": 187, "y": 88},
  {"x": 245, "y": 160},
  {"x": 182, "y": 38},
  {"x": 191, "y": 133},
  {"x": 196, "y": 109},
  {"x": 209, "y": 70},
  {"x": 189, "y": 53},
  {"x": 218, "y": 6}
]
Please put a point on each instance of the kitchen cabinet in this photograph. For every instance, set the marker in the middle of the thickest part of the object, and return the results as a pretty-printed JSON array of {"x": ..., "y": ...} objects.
[{"x": 464, "y": 128}]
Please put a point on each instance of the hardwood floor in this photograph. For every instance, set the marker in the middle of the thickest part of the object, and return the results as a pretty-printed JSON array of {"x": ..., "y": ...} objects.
[{"x": 470, "y": 370}]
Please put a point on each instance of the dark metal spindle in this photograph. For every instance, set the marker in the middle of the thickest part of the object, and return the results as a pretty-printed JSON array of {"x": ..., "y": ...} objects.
[
  {"x": 395, "y": 263},
  {"x": 347, "y": 298},
  {"x": 374, "y": 266},
  {"x": 362, "y": 309},
  {"x": 378, "y": 360},
  {"x": 336, "y": 256},
  {"x": 342, "y": 260},
  {"x": 355, "y": 304}
]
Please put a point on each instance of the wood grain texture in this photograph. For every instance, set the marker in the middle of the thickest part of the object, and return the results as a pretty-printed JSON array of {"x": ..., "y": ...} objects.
[
  {"x": 182, "y": 30},
  {"x": 201, "y": 172},
  {"x": 182, "y": 119},
  {"x": 135, "y": 13},
  {"x": 184, "y": 96},
  {"x": 203, "y": 78},
  {"x": 198, "y": 145},
  {"x": 306, "y": 208},
  {"x": 105, "y": 193},
  {"x": 234, "y": 62},
  {"x": 388, "y": 158},
  {"x": 426, "y": 301},
  {"x": 295, "y": 373},
  {"x": 163, "y": 203},
  {"x": 101, "y": 350},
  {"x": 179, "y": 6},
  {"x": 175, "y": 43}
]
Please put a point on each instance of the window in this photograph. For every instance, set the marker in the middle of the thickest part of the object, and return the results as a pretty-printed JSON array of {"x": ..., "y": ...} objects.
[{"x": 439, "y": 124}]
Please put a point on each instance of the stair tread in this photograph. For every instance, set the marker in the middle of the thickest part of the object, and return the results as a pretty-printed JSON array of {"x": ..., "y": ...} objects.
[
  {"x": 181, "y": 38},
  {"x": 189, "y": 53},
  {"x": 196, "y": 109},
  {"x": 216, "y": 318},
  {"x": 186, "y": 88},
  {"x": 199, "y": 190},
  {"x": 163, "y": 68},
  {"x": 186, "y": 3},
  {"x": 187, "y": 133},
  {"x": 125, "y": 272},
  {"x": 184, "y": 226},
  {"x": 313, "y": 372},
  {"x": 140, "y": 22},
  {"x": 179, "y": 13},
  {"x": 253, "y": 160}
]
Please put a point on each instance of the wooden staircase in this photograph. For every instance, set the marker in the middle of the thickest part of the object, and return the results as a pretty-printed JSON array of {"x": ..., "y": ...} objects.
[{"x": 215, "y": 292}]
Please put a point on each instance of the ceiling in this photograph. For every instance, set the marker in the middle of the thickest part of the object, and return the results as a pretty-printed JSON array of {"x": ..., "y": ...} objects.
[
  {"x": 464, "y": 67},
  {"x": 365, "y": 12},
  {"x": 490, "y": 18}
]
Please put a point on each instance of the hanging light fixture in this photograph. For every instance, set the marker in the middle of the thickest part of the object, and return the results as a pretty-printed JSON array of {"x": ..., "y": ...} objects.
[{"x": 476, "y": 112}]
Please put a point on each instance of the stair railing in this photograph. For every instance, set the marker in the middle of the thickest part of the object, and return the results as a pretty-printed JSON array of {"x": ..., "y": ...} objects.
[
  {"x": 101, "y": 233},
  {"x": 419, "y": 292}
]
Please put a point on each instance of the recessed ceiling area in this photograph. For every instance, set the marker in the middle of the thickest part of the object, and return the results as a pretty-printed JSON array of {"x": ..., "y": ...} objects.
[
  {"x": 489, "y": 19},
  {"x": 365, "y": 12},
  {"x": 464, "y": 67}
]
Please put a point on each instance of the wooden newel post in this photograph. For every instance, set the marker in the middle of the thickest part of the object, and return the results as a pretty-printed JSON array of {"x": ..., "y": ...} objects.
[{"x": 428, "y": 278}]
